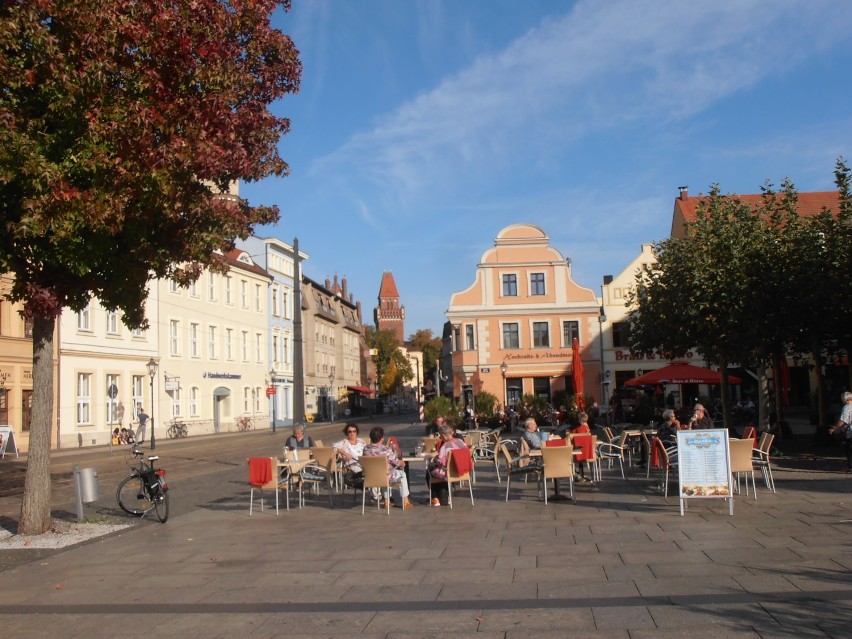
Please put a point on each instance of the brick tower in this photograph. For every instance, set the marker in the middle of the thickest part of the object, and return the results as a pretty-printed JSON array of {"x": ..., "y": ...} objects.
[{"x": 389, "y": 315}]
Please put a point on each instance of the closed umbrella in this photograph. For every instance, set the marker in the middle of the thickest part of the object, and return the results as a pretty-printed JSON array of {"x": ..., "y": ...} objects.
[{"x": 577, "y": 373}]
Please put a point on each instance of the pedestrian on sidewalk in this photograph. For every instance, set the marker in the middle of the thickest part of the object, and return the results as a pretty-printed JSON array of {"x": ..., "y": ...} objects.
[
  {"x": 845, "y": 424},
  {"x": 143, "y": 421}
]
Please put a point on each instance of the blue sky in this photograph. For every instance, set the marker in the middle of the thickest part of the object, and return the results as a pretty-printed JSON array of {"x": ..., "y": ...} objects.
[{"x": 422, "y": 128}]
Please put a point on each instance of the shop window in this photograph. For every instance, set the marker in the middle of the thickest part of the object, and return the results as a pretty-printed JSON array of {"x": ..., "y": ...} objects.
[{"x": 620, "y": 334}]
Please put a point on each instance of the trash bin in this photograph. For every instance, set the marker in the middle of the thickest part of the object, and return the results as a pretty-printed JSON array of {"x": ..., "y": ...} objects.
[{"x": 89, "y": 485}]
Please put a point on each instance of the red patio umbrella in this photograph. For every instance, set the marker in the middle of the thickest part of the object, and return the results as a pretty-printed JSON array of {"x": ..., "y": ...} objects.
[
  {"x": 577, "y": 373},
  {"x": 678, "y": 372}
]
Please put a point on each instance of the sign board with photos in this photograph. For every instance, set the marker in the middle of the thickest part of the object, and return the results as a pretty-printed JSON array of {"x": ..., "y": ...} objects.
[
  {"x": 7, "y": 441},
  {"x": 704, "y": 466}
]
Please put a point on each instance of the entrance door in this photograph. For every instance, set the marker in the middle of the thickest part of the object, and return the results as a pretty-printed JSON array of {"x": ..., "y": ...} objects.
[
  {"x": 220, "y": 395},
  {"x": 26, "y": 410}
]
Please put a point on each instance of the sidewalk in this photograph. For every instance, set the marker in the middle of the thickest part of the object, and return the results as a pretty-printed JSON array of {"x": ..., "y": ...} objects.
[{"x": 621, "y": 562}]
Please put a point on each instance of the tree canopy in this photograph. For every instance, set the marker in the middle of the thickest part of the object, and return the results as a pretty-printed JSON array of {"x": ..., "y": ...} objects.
[
  {"x": 123, "y": 126},
  {"x": 392, "y": 367}
]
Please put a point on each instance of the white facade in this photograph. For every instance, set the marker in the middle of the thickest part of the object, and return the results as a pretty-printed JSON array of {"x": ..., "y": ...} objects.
[
  {"x": 102, "y": 374},
  {"x": 278, "y": 258},
  {"x": 213, "y": 353}
]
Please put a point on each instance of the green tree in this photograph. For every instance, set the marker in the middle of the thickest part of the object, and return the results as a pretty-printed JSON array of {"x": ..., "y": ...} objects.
[
  {"x": 393, "y": 368},
  {"x": 121, "y": 122},
  {"x": 484, "y": 404},
  {"x": 422, "y": 340}
]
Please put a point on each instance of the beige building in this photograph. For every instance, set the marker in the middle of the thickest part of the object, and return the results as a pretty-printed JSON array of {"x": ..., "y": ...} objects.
[
  {"x": 512, "y": 329},
  {"x": 333, "y": 337},
  {"x": 213, "y": 344},
  {"x": 16, "y": 370}
]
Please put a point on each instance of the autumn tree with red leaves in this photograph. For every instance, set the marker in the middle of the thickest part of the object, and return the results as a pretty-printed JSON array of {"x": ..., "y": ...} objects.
[{"x": 120, "y": 122}]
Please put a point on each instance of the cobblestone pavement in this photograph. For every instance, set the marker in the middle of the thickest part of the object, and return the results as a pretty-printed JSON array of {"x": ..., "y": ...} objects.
[{"x": 621, "y": 562}]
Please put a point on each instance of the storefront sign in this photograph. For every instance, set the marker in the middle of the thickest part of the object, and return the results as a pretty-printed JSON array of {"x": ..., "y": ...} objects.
[
  {"x": 622, "y": 355},
  {"x": 545, "y": 355},
  {"x": 222, "y": 375},
  {"x": 704, "y": 465}
]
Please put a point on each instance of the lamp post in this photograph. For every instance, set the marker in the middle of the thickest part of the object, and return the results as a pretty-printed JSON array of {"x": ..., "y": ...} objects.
[
  {"x": 152, "y": 373},
  {"x": 330, "y": 401},
  {"x": 273, "y": 396},
  {"x": 503, "y": 369},
  {"x": 601, "y": 321}
]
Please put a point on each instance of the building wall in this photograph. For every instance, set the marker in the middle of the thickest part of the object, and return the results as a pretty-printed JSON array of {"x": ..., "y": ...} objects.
[
  {"x": 16, "y": 370},
  {"x": 214, "y": 360},
  {"x": 103, "y": 376},
  {"x": 525, "y": 284}
]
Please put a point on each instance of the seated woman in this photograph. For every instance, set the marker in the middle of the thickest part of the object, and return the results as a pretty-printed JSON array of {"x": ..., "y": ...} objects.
[
  {"x": 298, "y": 439},
  {"x": 350, "y": 449},
  {"x": 439, "y": 491},
  {"x": 377, "y": 447}
]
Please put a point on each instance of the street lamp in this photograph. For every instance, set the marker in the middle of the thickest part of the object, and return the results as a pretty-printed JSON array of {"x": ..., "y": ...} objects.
[
  {"x": 330, "y": 402},
  {"x": 503, "y": 369},
  {"x": 604, "y": 382},
  {"x": 152, "y": 372},
  {"x": 273, "y": 397}
]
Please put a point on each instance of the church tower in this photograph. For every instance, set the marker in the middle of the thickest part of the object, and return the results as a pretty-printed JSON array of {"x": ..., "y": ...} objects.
[{"x": 389, "y": 315}]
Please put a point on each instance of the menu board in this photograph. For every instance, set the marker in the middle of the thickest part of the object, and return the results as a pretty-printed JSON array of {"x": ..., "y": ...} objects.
[{"x": 704, "y": 465}]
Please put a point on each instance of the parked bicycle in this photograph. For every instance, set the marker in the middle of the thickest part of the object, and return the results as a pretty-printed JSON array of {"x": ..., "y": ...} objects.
[
  {"x": 145, "y": 490},
  {"x": 177, "y": 429},
  {"x": 244, "y": 424}
]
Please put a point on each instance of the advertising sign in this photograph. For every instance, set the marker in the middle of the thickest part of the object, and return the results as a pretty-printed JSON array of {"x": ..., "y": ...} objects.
[{"x": 704, "y": 465}]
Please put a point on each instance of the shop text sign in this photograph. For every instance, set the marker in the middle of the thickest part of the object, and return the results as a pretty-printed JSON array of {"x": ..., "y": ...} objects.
[
  {"x": 625, "y": 355},
  {"x": 564, "y": 355}
]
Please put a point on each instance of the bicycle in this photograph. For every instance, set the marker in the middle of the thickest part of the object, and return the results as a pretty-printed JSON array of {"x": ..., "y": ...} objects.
[
  {"x": 144, "y": 490},
  {"x": 177, "y": 429},
  {"x": 244, "y": 424}
]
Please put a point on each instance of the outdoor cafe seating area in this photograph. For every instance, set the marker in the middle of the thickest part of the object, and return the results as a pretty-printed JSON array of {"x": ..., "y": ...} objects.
[{"x": 497, "y": 466}]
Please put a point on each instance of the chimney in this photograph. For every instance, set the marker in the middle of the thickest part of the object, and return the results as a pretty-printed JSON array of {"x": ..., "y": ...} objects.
[
  {"x": 327, "y": 284},
  {"x": 343, "y": 286},
  {"x": 683, "y": 192}
]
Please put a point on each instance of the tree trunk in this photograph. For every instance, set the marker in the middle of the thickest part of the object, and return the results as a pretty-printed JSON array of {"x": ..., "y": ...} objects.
[
  {"x": 725, "y": 397},
  {"x": 821, "y": 435},
  {"x": 35, "y": 506},
  {"x": 779, "y": 390},
  {"x": 762, "y": 398}
]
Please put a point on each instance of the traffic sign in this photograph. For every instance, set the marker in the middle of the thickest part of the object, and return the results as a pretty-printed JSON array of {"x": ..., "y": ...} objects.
[
  {"x": 112, "y": 391},
  {"x": 270, "y": 391}
]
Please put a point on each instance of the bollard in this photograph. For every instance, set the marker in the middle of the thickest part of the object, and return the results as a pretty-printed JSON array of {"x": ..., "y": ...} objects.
[{"x": 85, "y": 487}]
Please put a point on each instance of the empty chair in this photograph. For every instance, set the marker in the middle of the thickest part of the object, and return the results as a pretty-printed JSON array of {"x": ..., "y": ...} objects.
[
  {"x": 517, "y": 464},
  {"x": 750, "y": 433},
  {"x": 326, "y": 458},
  {"x": 558, "y": 464},
  {"x": 615, "y": 451},
  {"x": 263, "y": 475},
  {"x": 321, "y": 470},
  {"x": 761, "y": 456},
  {"x": 741, "y": 462}
]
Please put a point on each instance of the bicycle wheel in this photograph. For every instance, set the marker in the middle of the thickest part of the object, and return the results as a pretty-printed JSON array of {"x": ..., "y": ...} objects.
[
  {"x": 247, "y": 425},
  {"x": 183, "y": 431},
  {"x": 161, "y": 506},
  {"x": 131, "y": 496},
  {"x": 172, "y": 432}
]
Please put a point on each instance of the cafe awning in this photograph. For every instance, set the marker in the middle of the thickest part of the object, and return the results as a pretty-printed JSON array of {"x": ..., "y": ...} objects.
[
  {"x": 361, "y": 389},
  {"x": 680, "y": 373}
]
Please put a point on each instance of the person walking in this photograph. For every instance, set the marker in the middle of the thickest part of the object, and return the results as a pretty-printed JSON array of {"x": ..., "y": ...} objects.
[
  {"x": 845, "y": 423},
  {"x": 142, "y": 416}
]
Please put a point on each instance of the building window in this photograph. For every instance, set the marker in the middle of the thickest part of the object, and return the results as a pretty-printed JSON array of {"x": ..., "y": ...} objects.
[
  {"x": 246, "y": 399},
  {"x": 84, "y": 399},
  {"x": 112, "y": 402},
  {"x": 258, "y": 347},
  {"x": 620, "y": 334},
  {"x": 229, "y": 282},
  {"x": 570, "y": 330},
  {"x": 285, "y": 303},
  {"x": 176, "y": 408},
  {"x": 274, "y": 351},
  {"x": 211, "y": 286},
  {"x": 193, "y": 288},
  {"x": 275, "y": 300},
  {"x": 229, "y": 344},
  {"x": 468, "y": 337},
  {"x": 510, "y": 285},
  {"x": 258, "y": 393},
  {"x": 285, "y": 351},
  {"x": 244, "y": 346},
  {"x": 212, "y": 338},
  {"x": 541, "y": 335},
  {"x": 83, "y": 321},
  {"x": 193, "y": 401},
  {"x": 457, "y": 343},
  {"x": 173, "y": 287},
  {"x": 537, "y": 284},
  {"x": 28, "y": 333},
  {"x": 138, "y": 394},
  {"x": 4, "y": 406},
  {"x": 174, "y": 337},
  {"x": 244, "y": 294},
  {"x": 193, "y": 340},
  {"x": 112, "y": 323},
  {"x": 258, "y": 303},
  {"x": 136, "y": 332},
  {"x": 511, "y": 338}
]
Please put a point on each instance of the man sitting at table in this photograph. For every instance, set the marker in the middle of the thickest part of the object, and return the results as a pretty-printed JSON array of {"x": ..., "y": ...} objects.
[
  {"x": 396, "y": 473},
  {"x": 700, "y": 420},
  {"x": 532, "y": 435},
  {"x": 298, "y": 439}
]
